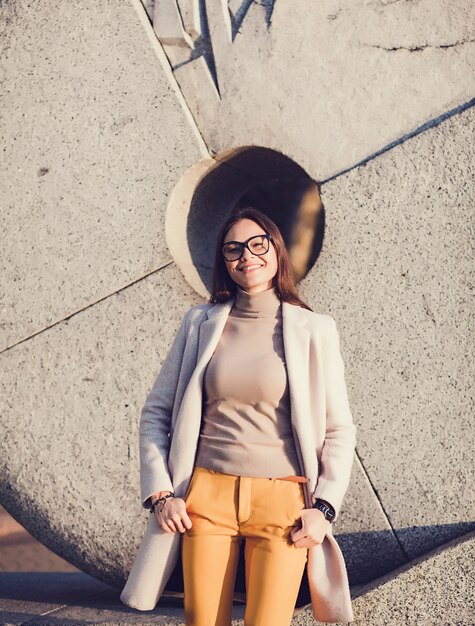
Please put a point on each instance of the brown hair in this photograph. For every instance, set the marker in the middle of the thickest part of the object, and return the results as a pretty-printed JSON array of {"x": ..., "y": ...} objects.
[{"x": 224, "y": 287}]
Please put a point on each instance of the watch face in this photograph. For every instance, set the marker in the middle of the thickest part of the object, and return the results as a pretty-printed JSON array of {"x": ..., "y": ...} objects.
[{"x": 328, "y": 513}]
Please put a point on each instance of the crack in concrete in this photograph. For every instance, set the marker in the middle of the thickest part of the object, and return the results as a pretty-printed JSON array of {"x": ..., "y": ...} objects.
[
  {"x": 463, "y": 42},
  {"x": 428, "y": 310},
  {"x": 383, "y": 509}
]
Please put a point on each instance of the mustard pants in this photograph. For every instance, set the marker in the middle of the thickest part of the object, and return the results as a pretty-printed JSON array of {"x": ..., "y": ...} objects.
[{"x": 224, "y": 510}]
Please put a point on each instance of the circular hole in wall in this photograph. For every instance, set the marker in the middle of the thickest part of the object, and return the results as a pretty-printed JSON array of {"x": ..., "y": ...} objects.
[{"x": 248, "y": 176}]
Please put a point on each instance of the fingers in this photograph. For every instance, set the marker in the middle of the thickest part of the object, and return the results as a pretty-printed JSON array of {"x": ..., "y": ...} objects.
[
  {"x": 306, "y": 542},
  {"x": 173, "y": 516},
  {"x": 187, "y": 521},
  {"x": 313, "y": 530}
]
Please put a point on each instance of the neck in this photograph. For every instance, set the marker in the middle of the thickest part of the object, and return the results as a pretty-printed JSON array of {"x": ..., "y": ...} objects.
[{"x": 256, "y": 304}]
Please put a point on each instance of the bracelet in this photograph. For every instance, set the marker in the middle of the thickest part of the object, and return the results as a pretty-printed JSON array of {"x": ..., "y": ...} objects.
[{"x": 162, "y": 499}]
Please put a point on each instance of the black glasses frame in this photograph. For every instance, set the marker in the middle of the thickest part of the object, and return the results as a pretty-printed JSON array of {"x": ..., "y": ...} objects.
[{"x": 245, "y": 244}]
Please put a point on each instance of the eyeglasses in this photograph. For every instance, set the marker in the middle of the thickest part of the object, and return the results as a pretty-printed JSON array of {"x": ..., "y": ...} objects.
[{"x": 258, "y": 245}]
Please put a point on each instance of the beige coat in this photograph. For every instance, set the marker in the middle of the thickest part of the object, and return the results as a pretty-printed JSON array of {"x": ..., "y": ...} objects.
[{"x": 322, "y": 424}]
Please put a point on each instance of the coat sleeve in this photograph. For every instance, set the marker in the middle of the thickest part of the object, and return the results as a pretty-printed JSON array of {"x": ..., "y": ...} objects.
[
  {"x": 155, "y": 420},
  {"x": 336, "y": 461}
]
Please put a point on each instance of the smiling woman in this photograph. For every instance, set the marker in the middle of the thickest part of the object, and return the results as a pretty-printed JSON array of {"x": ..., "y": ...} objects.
[
  {"x": 234, "y": 449},
  {"x": 213, "y": 188},
  {"x": 250, "y": 257}
]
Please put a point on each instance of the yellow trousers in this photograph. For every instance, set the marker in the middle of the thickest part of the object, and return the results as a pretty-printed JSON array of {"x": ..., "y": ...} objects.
[{"x": 225, "y": 510}]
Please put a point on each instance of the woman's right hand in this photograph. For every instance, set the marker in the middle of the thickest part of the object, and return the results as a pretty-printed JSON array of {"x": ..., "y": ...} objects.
[{"x": 172, "y": 516}]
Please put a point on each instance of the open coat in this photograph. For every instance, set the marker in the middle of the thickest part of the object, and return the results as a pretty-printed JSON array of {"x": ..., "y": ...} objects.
[{"x": 322, "y": 425}]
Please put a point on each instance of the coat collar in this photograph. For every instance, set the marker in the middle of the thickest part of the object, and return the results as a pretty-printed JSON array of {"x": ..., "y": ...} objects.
[
  {"x": 290, "y": 311},
  {"x": 294, "y": 326}
]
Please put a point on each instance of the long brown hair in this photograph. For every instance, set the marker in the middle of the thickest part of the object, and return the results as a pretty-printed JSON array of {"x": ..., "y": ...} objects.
[{"x": 224, "y": 287}]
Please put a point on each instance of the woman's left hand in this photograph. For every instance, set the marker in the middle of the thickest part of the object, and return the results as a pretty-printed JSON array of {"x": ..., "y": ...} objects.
[{"x": 313, "y": 531}]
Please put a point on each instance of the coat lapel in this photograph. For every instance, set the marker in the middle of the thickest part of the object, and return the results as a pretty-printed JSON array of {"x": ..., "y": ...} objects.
[
  {"x": 185, "y": 437},
  {"x": 211, "y": 330},
  {"x": 296, "y": 336}
]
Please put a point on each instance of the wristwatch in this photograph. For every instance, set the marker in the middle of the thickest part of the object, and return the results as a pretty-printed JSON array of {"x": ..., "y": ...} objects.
[{"x": 326, "y": 508}]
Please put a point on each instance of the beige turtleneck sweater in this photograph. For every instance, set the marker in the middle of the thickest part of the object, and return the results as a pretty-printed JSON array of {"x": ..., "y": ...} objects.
[{"x": 246, "y": 428}]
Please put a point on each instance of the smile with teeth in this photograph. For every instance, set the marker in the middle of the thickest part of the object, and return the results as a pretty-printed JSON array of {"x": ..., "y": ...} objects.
[{"x": 249, "y": 268}]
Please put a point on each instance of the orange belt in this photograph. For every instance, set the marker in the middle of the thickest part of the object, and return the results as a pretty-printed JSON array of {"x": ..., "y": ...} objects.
[{"x": 297, "y": 479}]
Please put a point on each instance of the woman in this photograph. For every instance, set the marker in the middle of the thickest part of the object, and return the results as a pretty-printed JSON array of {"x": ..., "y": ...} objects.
[{"x": 269, "y": 466}]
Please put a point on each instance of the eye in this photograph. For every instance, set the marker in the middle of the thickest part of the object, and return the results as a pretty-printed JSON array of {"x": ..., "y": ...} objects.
[
  {"x": 257, "y": 245},
  {"x": 232, "y": 247}
]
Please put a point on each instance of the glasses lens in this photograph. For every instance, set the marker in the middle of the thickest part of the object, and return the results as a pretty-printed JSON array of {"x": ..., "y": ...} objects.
[
  {"x": 232, "y": 251},
  {"x": 259, "y": 245}
]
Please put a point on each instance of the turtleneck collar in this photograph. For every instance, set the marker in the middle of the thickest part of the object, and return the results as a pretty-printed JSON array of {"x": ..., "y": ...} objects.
[{"x": 258, "y": 304}]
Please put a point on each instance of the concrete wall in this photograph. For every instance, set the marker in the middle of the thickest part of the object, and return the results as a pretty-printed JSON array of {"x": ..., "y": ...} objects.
[{"x": 106, "y": 114}]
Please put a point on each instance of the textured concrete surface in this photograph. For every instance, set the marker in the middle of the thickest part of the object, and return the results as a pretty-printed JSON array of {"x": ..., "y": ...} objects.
[
  {"x": 91, "y": 299},
  {"x": 70, "y": 401},
  {"x": 396, "y": 270},
  {"x": 328, "y": 83},
  {"x": 368, "y": 541},
  {"x": 94, "y": 139},
  {"x": 435, "y": 590}
]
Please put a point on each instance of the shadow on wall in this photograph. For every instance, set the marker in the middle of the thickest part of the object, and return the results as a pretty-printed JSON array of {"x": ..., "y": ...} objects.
[{"x": 387, "y": 556}]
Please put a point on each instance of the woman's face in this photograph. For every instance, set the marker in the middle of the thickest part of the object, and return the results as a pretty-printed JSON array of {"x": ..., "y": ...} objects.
[{"x": 265, "y": 266}]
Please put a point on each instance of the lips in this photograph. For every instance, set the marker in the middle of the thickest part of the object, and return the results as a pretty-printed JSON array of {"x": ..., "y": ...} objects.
[{"x": 249, "y": 268}]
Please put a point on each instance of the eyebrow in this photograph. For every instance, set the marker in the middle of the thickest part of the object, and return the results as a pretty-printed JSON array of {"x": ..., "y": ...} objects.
[{"x": 246, "y": 240}]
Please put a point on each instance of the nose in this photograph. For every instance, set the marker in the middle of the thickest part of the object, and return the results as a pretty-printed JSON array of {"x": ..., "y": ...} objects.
[{"x": 246, "y": 255}]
